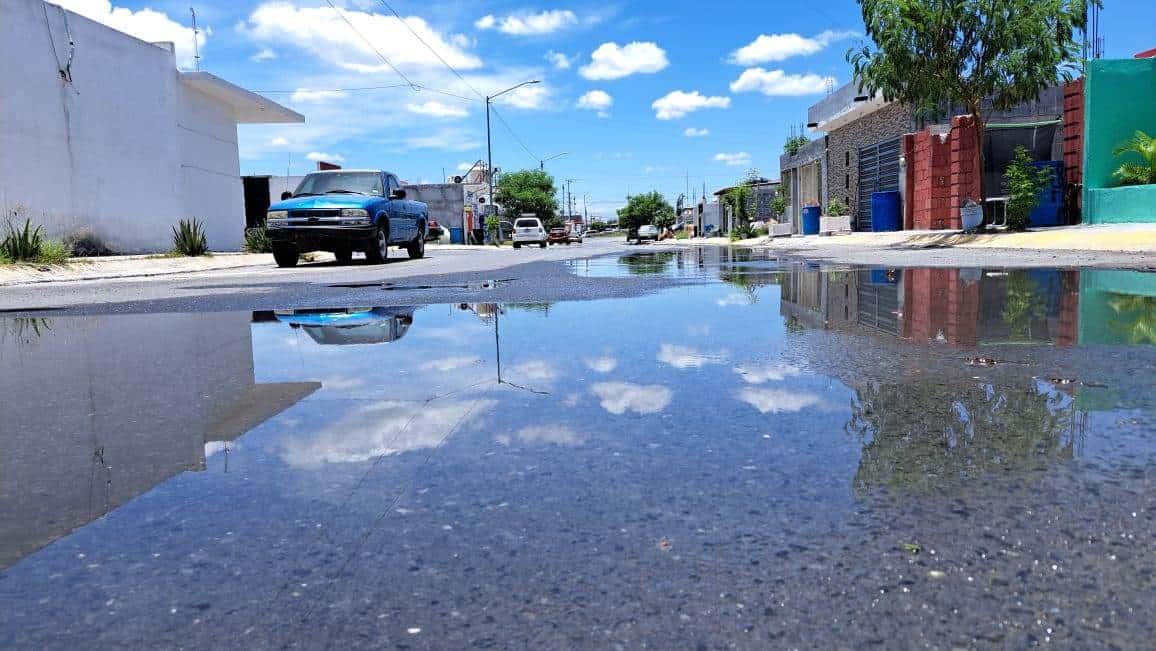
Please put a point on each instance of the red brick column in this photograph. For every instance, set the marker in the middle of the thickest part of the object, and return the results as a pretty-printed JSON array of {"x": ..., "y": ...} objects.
[
  {"x": 965, "y": 168},
  {"x": 1074, "y": 138}
]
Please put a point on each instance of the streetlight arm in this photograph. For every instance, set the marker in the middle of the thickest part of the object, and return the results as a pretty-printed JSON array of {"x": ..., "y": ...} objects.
[{"x": 513, "y": 88}]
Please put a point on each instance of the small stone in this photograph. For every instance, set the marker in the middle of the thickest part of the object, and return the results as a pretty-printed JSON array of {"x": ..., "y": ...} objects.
[{"x": 413, "y": 631}]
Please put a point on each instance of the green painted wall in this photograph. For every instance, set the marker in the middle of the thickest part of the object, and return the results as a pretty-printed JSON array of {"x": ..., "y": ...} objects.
[{"x": 1118, "y": 100}]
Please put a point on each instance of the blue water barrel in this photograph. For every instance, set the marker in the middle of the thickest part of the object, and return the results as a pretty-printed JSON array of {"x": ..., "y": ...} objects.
[
  {"x": 1050, "y": 212},
  {"x": 811, "y": 220},
  {"x": 457, "y": 236},
  {"x": 885, "y": 213}
]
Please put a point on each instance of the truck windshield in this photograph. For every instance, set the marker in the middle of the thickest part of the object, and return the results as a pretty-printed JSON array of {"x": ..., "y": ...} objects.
[{"x": 340, "y": 183}]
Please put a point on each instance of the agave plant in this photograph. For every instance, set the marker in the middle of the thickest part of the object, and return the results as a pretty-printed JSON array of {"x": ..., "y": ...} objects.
[
  {"x": 1137, "y": 173},
  {"x": 189, "y": 238},
  {"x": 22, "y": 244}
]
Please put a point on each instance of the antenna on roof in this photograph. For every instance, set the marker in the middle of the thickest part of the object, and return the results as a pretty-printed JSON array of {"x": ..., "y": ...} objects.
[
  {"x": 830, "y": 83},
  {"x": 196, "y": 38}
]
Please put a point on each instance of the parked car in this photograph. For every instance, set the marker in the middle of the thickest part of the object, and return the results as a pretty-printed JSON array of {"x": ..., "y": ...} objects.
[
  {"x": 345, "y": 211},
  {"x": 435, "y": 231},
  {"x": 529, "y": 230},
  {"x": 558, "y": 235},
  {"x": 645, "y": 232},
  {"x": 576, "y": 234}
]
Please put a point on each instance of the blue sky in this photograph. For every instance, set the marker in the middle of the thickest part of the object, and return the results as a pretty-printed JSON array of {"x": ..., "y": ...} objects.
[{"x": 639, "y": 94}]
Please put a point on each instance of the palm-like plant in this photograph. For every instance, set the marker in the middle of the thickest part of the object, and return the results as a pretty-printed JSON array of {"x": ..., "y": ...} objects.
[{"x": 1137, "y": 173}]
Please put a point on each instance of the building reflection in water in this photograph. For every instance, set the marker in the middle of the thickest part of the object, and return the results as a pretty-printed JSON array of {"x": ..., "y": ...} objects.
[{"x": 98, "y": 410}]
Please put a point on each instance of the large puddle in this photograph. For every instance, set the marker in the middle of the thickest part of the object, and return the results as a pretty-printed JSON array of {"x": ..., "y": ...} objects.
[{"x": 777, "y": 456}]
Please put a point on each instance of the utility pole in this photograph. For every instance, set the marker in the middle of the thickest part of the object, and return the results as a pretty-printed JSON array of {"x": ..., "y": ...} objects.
[{"x": 490, "y": 149}]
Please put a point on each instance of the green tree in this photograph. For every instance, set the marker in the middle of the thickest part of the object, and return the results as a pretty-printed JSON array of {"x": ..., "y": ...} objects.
[
  {"x": 979, "y": 54},
  {"x": 642, "y": 209},
  {"x": 1024, "y": 183},
  {"x": 528, "y": 191}
]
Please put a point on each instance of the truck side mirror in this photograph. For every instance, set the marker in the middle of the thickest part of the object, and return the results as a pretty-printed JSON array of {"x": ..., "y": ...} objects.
[
  {"x": 286, "y": 195},
  {"x": 397, "y": 194}
]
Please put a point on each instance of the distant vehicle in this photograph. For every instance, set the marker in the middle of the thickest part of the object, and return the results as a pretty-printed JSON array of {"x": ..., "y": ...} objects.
[
  {"x": 529, "y": 230},
  {"x": 343, "y": 211},
  {"x": 576, "y": 234},
  {"x": 350, "y": 326},
  {"x": 645, "y": 232},
  {"x": 558, "y": 236},
  {"x": 435, "y": 232}
]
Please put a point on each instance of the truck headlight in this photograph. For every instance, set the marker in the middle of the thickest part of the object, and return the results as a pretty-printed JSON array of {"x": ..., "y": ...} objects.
[
  {"x": 354, "y": 212},
  {"x": 277, "y": 214}
]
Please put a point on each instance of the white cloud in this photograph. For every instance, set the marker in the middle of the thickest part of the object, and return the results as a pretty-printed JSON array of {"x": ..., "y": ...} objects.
[
  {"x": 279, "y": 141},
  {"x": 596, "y": 100},
  {"x": 602, "y": 364},
  {"x": 677, "y": 104},
  {"x": 774, "y": 401},
  {"x": 437, "y": 109},
  {"x": 779, "y": 47},
  {"x": 772, "y": 373},
  {"x": 559, "y": 61},
  {"x": 325, "y": 156},
  {"x": 691, "y": 132},
  {"x": 322, "y": 32},
  {"x": 779, "y": 83},
  {"x": 526, "y": 97},
  {"x": 264, "y": 55},
  {"x": 736, "y": 159},
  {"x": 534, "y": 370},
  {"x": 304, "y": 95},
  {"x": 446, "y": 364},
  {"x": 686, "y": 357},
  {"x": 611, "y": 61},
  {"x": 732, "y": 299},
  {"x": 465, "y": 167},
  {"x": 620, "y": 397},
  {"x": 145, "y": 24},
  {"x": 448, "y": 139},
  {"x": 529, "y": 24},
  {"x": 552, "y": 434}
]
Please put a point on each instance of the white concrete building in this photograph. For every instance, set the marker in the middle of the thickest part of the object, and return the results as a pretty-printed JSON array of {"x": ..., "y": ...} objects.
[{"x": 108, "y": 137}]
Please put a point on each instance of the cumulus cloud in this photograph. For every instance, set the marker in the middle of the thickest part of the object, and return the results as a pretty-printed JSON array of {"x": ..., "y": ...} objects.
[
  {"x": 279, "y": 141},
  {"x": 304, "y": 95},
  {"x": 325, "y": 156},
  {"x": 611, "y": 61},
  {"x": 774, "y": 401},
  {"x": 602, "y": 364},
  {"x": 779, "y": 83},
  {"x": 529, "y": 24},
  {"x": 145, "y": 24},
  {"x": 453, "y": 363},
  {"x": 779, "y": 47},
  {"x": 534, "y": 370},
  {"x": 691, "y": 132},
  {"x": 686, "y": 357},
  {"x": 735, "y": 159},
  {"x": 559, "y": 61},
  {"x": 526, "y": 97},
  {"x": 677, "y": 104},
  {"x": 437, "y": 109},
  {"x": 323, "y": 33},
  {"x": 771, "y": 373},
  {"x": 620, "y": 397},
  {"x": 264, "y": 55},
  {"x": 733, "y": 299},
  {"x": 596, "y": 100}
]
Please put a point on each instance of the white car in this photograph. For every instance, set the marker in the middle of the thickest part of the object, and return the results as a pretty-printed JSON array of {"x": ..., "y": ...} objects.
[
  {"x": 529, "y": 230},
  {"x": 647, "y": 232}
]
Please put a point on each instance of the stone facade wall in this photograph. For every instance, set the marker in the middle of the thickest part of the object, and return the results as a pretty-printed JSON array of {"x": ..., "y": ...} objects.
[{"x": 843, "y": 145}]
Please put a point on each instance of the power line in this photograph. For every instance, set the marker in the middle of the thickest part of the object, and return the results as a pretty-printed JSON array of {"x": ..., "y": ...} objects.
[
  {"x": 428, "y": 47},
  {"x": 331, "y": 90},
  {"x": 371, "y": 46},
  {"x": 512, "y": 134}
]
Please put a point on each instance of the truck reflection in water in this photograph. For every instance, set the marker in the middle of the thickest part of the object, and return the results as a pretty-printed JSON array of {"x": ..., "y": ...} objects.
[{"x": 350, "y": 326}]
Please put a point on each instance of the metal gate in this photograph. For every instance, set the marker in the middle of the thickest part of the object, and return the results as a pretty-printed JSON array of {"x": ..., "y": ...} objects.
[{"x": 878, "y": 172}]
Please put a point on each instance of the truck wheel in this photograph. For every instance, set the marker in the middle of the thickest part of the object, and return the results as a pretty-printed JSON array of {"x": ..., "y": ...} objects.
[
  {"x": 542, "y": 244},
  {"x": 285, "y": 255},
  {"x": 344, "y": 255},
  {"x": 377, "y": 251},
  {"x": 416, "y": 248},
  {"x": 517, "y": 245}
]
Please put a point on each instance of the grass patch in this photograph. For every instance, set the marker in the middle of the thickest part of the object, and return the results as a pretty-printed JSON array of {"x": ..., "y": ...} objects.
[{"x": 28, "y": 245}]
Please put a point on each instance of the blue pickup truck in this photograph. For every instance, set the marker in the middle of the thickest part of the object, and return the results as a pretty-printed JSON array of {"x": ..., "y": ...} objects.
[{"x": 345, "y": 211}]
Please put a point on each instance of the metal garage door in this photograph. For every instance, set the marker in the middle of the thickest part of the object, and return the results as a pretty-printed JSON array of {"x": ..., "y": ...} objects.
[{"x": 878, "y": 172}]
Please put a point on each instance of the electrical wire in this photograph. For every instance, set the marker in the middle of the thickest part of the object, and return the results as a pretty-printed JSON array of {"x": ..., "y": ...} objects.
[
  {"x": 513, "y": 135},
  {"x": 428, "y": 47},
  {"x": 330, "y": 90},
  {"x": 365, "y": 40}
]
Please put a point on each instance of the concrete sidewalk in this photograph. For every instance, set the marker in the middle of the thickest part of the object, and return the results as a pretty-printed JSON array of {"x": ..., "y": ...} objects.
[{"x": 128, "y": 266}]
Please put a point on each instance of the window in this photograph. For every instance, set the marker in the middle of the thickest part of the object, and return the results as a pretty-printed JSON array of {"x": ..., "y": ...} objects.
[
  {"x": 526, "y": 223},
  {"x": 847, "y": 158},
  {"x": 846, "y": 181}
]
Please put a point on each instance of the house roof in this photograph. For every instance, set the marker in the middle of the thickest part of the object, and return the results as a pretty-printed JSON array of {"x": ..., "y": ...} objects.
[{"x": 248, "y": 107}]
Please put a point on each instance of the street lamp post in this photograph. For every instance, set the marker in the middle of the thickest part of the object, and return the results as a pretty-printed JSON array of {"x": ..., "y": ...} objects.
[
  {"x": 542, "y": 163},
  {"x": 490, "y": 146}
]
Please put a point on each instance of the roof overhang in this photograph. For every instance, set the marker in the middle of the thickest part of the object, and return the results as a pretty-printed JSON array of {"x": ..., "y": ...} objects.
[
  {"x": 859, "y": 108},
  {"x": 248, "y": 107}
]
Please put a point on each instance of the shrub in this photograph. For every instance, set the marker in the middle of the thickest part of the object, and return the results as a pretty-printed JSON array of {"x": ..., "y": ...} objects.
[
  {"x": 189, "y": 238},
  {"x": 1137, "y": 173},
  {"x": 1024, "y": 183},
  {"x": 793, "y": 145},
  {"x": 28, "y": 244},
  {"x": 742, "y": 232},
  {"x": 257, "y": 240},
  {"x": 836, "y": 208},
  {"x": 761, "y": 232}
]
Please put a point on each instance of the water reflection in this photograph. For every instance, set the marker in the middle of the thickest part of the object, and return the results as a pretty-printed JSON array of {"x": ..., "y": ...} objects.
[{"x": 350, "y": 326}]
